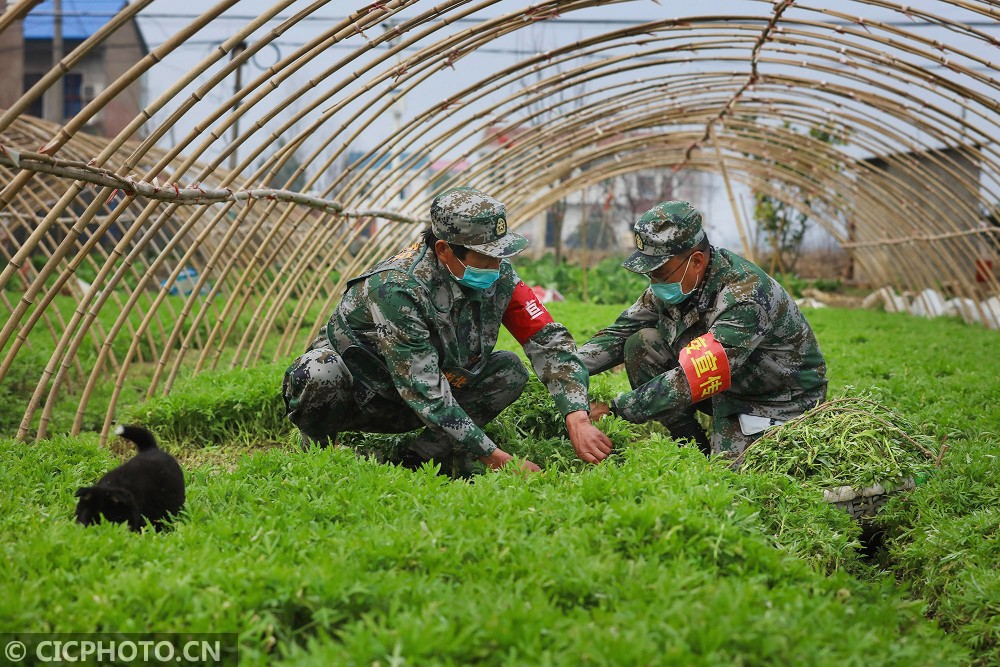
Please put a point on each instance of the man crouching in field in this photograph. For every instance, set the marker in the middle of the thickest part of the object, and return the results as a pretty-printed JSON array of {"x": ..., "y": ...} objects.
[
  {"x": 411, "y": 344},
  {"x": 713, "y": 332}
]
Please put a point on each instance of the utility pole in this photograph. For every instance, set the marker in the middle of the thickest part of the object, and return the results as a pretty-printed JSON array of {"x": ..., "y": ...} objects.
[
  {"x": 54, "y": 96},
  {"x": 234, "y": 156}
]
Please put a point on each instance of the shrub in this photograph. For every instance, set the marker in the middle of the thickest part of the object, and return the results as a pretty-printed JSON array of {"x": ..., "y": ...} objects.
[{"x": 237, "y": 406}]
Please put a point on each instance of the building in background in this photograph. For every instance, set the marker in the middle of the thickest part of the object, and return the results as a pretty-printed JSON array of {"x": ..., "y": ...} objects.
[
  {"x": 609, "y": 208},
  {"x": 956, "y": 172},
  {"x": 12, "y": 52},
  {"x": 27, "y": 48}
]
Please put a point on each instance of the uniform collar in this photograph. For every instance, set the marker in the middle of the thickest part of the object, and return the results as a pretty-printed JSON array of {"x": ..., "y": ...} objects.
[
  {"x": 710, "y": 281},
  {"x": 428, "y": 272}
]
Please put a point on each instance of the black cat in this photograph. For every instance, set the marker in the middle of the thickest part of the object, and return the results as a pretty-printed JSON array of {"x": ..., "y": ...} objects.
[{"x": 150, "y": 486}]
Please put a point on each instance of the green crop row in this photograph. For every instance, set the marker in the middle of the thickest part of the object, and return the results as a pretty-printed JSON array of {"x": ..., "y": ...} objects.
[
  {"x": 944, "y": 543},
  {"x": 27, "y": 368},
  {"x": 233, "y": 407},
  {"x": 606, "y": 282},
  {"x": 904, "y": 362}
]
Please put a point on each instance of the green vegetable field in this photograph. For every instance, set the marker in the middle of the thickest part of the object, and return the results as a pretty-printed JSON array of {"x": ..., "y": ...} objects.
[{"x": 657, "y": 556}]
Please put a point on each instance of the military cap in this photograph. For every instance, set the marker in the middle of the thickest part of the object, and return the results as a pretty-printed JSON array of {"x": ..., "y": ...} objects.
[
  {"x": 664, "y": 231},
  {"x": 467, "y": 217}
]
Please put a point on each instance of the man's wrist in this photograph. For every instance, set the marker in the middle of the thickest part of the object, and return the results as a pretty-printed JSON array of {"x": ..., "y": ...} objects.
[{"x": 495, "y": 459}]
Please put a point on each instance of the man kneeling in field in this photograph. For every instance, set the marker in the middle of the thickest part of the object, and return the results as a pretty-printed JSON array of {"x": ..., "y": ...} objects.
[
  {"x": 411, "y": 344},
  {"x": 713, "y": 332}
]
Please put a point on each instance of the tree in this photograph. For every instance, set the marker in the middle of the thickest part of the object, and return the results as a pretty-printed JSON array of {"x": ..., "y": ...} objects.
[{"x": 780, "y": 227}]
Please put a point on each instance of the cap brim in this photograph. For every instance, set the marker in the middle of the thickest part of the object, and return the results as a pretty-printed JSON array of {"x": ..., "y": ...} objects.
[
  {"x": 508, "y": 245},
  {"x": 640, "y": 262}
]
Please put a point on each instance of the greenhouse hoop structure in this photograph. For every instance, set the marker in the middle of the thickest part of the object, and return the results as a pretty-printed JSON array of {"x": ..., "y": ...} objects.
[{"x": 217, "y": 227}]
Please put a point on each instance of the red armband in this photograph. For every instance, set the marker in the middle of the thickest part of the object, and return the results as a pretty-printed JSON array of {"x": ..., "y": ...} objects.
[
  {"x": 525, "y": 315},
  {"x": 706, "y": 366}
]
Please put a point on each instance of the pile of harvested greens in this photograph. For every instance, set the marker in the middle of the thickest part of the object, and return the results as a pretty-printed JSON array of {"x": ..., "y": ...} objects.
[{"x": 851, "y": 441}]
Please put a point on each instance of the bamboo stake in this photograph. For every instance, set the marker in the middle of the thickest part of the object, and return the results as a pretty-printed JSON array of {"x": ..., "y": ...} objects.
[{"x": 748, "y": 250}]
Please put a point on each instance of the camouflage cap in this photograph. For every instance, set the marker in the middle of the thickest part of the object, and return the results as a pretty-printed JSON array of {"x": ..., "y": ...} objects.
[
  {"x": 662, "y": 232},
  {"x": 473, "y": 219}
]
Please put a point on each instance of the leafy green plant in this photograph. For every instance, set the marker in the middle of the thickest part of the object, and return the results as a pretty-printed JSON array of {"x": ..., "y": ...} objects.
[
  {"x": 943, "y": 541},
  {"x": 607, "y": 281},
  {"x": 237, "y": 406},
  {"x": 17, "y": 386},
  {"x": 799, "y": 521},
  {"x": 827, "y": 284},
  {"x": 850, "y": 441},
  {"x": 531, "y": 427}
]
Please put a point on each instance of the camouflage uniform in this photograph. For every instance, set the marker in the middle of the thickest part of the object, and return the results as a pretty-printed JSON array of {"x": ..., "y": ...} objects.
[
  {"x": 408, "y": 346},
  {"x": 738, "y": 328}
]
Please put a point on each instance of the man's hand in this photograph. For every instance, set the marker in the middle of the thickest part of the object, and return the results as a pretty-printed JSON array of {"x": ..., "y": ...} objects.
[
  {"x": 499, "y": 459},
  {"x": 598, "y": 410},
  {"x": 590, "y": 443}
]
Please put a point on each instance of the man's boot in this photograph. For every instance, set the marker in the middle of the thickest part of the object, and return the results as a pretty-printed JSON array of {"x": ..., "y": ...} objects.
[
  {"x": 428, "y": 447},
  {"x": 690, "y": 429},
  {"x": 324, "y": 442},
  {"x": 411, "y": 460}
]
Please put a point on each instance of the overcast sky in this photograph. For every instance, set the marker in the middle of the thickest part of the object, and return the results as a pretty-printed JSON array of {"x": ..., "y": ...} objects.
[{"x": 165, "y": 17}]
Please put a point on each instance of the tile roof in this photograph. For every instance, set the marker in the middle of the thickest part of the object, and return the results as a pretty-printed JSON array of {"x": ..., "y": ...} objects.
[{"x": 81, "y": 18}]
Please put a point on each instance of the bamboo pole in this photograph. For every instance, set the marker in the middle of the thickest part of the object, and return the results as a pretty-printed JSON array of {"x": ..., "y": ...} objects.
[{"x": 748, "y": 250}]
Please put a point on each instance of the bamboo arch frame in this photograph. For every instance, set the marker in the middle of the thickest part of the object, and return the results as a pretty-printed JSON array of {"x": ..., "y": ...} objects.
[{"x": 711, "y": 93}]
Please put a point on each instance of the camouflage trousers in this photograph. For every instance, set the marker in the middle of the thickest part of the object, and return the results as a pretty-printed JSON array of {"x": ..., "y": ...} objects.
[
  {"x": 646, "y": 356},
  {"x": 323, "y": 397}
]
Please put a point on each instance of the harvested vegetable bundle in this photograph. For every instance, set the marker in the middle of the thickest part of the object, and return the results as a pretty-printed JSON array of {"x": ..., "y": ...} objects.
[{"x": 847, "y": 442}]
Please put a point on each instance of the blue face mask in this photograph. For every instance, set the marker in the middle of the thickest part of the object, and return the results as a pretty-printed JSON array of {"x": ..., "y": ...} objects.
[
  {"x": 672, "y": 293},
  {"x": 477, "y": 279}
]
